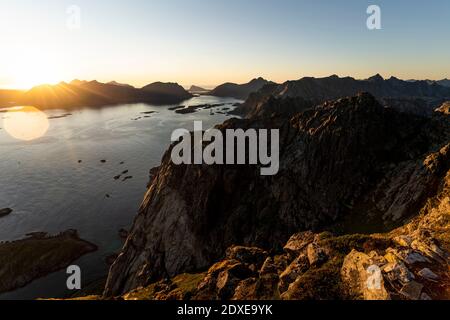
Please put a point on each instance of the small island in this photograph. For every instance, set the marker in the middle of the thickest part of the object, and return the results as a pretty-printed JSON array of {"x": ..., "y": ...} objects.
[{"x": 38, "y": 255}]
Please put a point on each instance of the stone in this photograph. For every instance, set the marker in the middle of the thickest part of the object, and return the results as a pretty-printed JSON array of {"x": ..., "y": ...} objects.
[
  {"x": 408, "y": 256},
  {"x": 398, "y": 272},
  {"x": 355, "y": 277},
  {"x": 428, "y": 248},
  {"x": 248, "y": 255},
  {"x": 245, "y": 290},
  {"x": 226, "y": 284},
  {"x": 295, "y": 269},
  {"x": 316, "y": 254},
  {"x": 412, "y": 290},
  {"x": 298, "y": 242},
  {"x": 428, "y": 274},
  {"x": 268, "y": 267}
]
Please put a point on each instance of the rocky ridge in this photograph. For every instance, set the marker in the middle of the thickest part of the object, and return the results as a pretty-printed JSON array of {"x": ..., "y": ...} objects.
[
  {"x": 417, "y": 97},
  {"x": 347, "y": 166}
]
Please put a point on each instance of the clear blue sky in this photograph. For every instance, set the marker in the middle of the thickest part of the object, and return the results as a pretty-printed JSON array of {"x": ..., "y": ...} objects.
[{"x": 207, "y": 42}]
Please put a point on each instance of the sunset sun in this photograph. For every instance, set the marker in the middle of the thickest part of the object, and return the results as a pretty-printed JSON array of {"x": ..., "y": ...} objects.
[{"x": 29, "y": 70}]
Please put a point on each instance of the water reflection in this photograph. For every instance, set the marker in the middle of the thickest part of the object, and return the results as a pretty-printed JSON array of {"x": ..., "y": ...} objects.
[{"x": 25, "y": 123}]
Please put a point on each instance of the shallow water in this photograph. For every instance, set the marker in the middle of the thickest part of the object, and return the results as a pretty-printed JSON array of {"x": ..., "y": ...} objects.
[{"x": 49, "y": 190}]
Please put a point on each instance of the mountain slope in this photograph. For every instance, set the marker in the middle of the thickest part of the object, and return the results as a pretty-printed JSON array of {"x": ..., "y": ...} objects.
[
  {"x": 96, "y": 94},
  {"x": 239, "y": 91},
  {"x": 347, "y": 158},
  {"x": 404, "y": 95}
]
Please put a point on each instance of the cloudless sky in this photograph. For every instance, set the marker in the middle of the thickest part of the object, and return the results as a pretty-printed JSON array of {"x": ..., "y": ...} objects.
[{"x": 207, "y": 42}]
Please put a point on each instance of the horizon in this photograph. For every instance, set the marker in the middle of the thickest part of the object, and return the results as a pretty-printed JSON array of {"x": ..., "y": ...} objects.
[
  {"x": 210, "y": 87},
  {"x": 190, "y": 43}
]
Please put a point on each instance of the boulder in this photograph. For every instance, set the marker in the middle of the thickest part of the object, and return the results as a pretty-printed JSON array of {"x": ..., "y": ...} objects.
[
  {"x": 298, "y": 242},
  {"x": 356, "y": 276},
  {"x": 316, "y": 254},
  {"x": 397, "y": 272},
  {"x": 295, "y": 269},
  {"x": 247, "y": 255},
  {"x": 412, "y": 290},
  {"x": 428, "y": 274}
]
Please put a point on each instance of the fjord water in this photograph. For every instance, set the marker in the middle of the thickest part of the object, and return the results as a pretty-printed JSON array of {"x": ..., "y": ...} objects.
[{"x": 50, "y": 190}]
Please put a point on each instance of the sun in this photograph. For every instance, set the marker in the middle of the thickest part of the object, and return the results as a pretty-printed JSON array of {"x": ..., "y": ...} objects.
[{"x": 30, "y": 69}]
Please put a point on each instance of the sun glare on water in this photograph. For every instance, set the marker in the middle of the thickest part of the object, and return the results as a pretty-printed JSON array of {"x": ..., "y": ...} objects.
[{"x": 25, "y": 123}]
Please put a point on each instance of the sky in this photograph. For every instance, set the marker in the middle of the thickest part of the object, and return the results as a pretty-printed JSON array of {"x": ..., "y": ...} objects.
[{"x": 208, "y": 42}]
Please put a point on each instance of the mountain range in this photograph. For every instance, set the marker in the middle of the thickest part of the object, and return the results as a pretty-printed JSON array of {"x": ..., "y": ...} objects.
[
  {"x": 419, "y": 96},
  {"x": 94, "y": 94},
  {"x": 413, "y": 96}
]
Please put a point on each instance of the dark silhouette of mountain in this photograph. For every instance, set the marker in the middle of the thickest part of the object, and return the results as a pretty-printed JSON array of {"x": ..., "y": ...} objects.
[
  {"x": 444, "y": 82},
  {"x": 96, "y": 94},
  {"x": 318, "y": 90},
  {"x": 167, "y": 92},
  {"x": 239, "y": 91},
  {"x": 349, "y": 165},
  {"x": 115, "y": 83},
  {"x": 197, "y": 89}
]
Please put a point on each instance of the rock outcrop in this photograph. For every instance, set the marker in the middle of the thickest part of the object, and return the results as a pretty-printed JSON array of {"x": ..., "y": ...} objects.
[
  {"x": 350, "y": 165},
  {"x": 409, "y": 263}
]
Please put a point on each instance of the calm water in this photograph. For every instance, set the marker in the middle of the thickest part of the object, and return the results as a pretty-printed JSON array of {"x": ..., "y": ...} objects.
[{"x": 50, "y": 191}]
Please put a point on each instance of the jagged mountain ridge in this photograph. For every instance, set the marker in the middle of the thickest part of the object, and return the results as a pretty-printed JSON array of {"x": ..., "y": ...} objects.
[
  {"x": 404, "y": 95},
  {"x": 334, "y": 160}
]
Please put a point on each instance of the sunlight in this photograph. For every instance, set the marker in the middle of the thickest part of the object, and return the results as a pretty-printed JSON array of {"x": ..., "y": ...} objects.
[
  {"x": 31, "y": 69},
  {"x": 25, "y": 123}
]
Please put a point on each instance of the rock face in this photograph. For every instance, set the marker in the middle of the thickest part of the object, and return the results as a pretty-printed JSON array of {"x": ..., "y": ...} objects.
[
  {"x": 351, "y": 158},
  {"x": 418, "y": 97},
  {"x": 239, "y": 91}
]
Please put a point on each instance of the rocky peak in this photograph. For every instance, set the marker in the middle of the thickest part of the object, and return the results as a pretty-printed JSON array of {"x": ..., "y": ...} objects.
[
  {"x": 335, "y": 159},
  {"x": 376, "y": 78}
]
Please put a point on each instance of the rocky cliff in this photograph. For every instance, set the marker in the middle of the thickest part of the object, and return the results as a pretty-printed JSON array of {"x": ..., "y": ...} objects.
[{"x": 347, "y": 166}]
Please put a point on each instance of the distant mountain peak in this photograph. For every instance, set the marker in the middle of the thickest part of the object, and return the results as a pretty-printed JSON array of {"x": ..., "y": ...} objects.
[
  {"x": 115, "y": 83},
  {"x": 195, "y": 88},
  {"x": 376, "y": 77}
]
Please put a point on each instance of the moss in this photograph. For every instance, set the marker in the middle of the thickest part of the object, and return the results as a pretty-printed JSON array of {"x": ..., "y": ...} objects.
[
  {"x": 322, "y": 283},
  {"x": 182, "y": 286},
  {"x": 188, "y": 283},
  {"x": 343, "y": 245}
]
